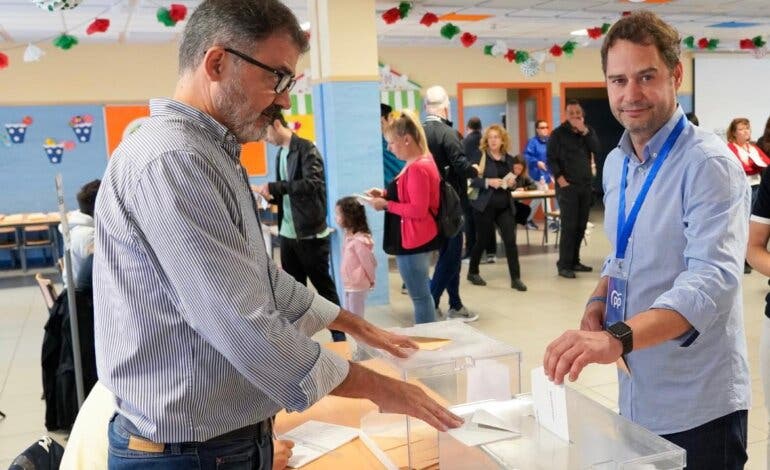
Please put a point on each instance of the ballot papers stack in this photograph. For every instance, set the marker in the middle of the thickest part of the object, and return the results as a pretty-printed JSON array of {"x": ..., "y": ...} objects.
[
  {"x": 455, "y": 364},
  {"x": 576, "y": 434}
]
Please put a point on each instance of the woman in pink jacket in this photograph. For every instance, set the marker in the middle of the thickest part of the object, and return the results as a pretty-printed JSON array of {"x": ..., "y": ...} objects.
[
  {"x": 409, "y": 202},
  {"x": 358, "y": 262}
]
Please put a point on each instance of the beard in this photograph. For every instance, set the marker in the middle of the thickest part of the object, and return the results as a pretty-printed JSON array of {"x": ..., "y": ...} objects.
[{"x": 238, "y": 117}]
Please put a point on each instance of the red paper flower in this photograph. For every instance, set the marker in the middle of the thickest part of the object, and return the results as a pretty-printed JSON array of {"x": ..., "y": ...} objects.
[
  {"x": 3, "y": 61},
  {"x": 429, "y": 19},
  {"x": 556, "y": 50},
  {"x": 177, "y": 12},
  {"x": 468, "y": 39},
  {"x": 99, "y": 25},
  {"x": 392, "y": 15},
  {"x": 703, "y": 43},
  {"x": 510, "y": 56},
  {"x": 747, "y": 44},
  {"x": 595, "y": 33},
  {"x": 27, "y": 121}
]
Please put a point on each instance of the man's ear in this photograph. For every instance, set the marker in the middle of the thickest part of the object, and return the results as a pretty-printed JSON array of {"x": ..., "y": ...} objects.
[{"x": 214, "y": 63}]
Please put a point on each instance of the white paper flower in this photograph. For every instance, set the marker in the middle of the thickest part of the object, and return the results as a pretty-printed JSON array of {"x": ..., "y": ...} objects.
[
  {"x": 33, "y": 53},
  {"x": 55, "y": 5},
  {"x": 499, "y": 48},
  {"x": 530, "y": 67},
  {"x": 760, "y": 52},
  {"x": 539, "y": 57}
]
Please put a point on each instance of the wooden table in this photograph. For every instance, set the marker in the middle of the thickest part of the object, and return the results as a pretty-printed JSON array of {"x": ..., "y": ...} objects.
[
  {"x": 537, "y": 194},
  {"x": 19, "y": 222},
  {"x": 346, "y": 412}
]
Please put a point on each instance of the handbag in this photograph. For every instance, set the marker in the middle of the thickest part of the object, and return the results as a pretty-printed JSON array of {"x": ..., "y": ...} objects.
[{"x": 473, "y": 193}]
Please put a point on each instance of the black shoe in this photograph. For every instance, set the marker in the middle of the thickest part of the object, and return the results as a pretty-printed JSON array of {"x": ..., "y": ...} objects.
[
  {"x": 518, "y": 285},
  {"x": 476, "y": 280},
  {"x": 582, "y": 268},
  {"x": 568, "y": 273}
]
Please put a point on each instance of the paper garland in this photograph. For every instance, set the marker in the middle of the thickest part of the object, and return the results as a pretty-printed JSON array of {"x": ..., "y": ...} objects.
[
  {"x": 32, "y": 53},
  {"x": 99, "y": 25},
  {"x": 171, "y": 16},
  {"x": 55, "y": 5}
]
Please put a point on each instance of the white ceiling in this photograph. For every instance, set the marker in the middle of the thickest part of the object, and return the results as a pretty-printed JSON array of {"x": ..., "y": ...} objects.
[{"x": 520, "y": 23}]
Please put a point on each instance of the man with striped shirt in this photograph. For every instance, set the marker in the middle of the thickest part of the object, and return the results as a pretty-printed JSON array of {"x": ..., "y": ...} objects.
[{"x": 201, "y": 338}]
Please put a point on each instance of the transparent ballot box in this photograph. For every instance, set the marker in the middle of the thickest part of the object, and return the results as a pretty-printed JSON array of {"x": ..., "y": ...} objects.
[
  {"x": 455, "y": 364},
  {"x": 599, "y": 439}
]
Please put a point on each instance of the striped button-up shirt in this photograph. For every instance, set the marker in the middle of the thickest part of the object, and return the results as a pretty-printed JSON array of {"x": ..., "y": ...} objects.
[{"x": 198, "y": 333}]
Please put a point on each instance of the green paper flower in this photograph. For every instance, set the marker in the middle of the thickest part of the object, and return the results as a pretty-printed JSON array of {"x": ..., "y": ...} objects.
[
  {"x": 449, "y": 30},
  {"x": 713, "y": 43},
  {"x": 521, "y": 56},
  {"x": 65, "y": 41},
  {"x": 569, "y": 47},
  {"x": 164, "y": 16},
  {"x": 758, "y": 41},
  {"x": 488, "y": 49},
  {"x": 605, "y": 28},
  {"x": 404, "y": 8},
  {"x": 689, "y": 41}
]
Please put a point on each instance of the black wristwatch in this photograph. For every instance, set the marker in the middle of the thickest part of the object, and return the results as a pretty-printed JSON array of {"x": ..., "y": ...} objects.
[{"x": 623, "y": 333}]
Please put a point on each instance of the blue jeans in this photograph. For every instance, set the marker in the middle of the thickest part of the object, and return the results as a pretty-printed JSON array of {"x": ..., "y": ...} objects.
[
  {"x": 414, "y": 272},
  {"x": 446, "y": 274},
  {"x": 717, "y": 445},
  {"x": 254, "y": 452}
]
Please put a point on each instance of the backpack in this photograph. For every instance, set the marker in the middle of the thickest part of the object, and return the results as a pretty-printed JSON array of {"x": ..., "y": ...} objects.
[{"x": 450, "y": 215}]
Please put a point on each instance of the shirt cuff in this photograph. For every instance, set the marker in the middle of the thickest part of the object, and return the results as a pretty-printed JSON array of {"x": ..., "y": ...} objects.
[
  {"x": 328, "y": 372},
  {"x": 761, "y": 220},
  {"x": 318, "y": 316}
]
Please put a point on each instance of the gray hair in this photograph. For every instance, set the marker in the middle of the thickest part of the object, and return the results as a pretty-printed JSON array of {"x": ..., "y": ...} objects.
[
  {"x": 436, "y": 99},
  {"x": 238, "y": 24}
]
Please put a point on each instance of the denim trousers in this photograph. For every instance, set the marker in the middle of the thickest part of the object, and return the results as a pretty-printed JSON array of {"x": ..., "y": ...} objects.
[
  {"x": 446, "y": 274},
  {"x": 128, "y": 450},
  {"x": 414, "y": 272}
]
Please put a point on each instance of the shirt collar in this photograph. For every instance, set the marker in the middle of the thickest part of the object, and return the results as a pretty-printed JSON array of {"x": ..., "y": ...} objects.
[
  {"x": 653, "y": 147},
  {"x": 169, "y": 107}
]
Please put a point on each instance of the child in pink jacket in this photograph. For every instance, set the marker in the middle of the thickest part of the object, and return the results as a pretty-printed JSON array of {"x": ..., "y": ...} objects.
[{"x": 358, "y": 262}]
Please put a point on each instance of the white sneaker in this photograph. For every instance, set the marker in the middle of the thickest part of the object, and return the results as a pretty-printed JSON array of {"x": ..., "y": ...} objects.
[
  {"x": 462, "y": 314},
  {"x": 439, "y": 314},
  {"x": 491, "y": 259}
]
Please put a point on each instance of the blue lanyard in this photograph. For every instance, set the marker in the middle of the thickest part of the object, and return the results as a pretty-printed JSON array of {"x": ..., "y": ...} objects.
[{"x": 626, "y": 226}]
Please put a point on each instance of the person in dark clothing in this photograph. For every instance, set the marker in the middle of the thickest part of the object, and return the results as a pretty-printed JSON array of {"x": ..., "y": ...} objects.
[
  {"x": 300, "y": 194},
  {"x": 455, "y": 168},
  {"x": 570, "y": 150},
  {"x": 764, "y": 141},
  {"x": 471, "y": 143},
  {"x": 493, "y": 205}
]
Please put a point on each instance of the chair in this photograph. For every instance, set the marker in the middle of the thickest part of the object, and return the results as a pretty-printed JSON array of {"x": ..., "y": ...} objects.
[
  {"x": 38, "y": 237},
  {"x": 47, "y": 289}
]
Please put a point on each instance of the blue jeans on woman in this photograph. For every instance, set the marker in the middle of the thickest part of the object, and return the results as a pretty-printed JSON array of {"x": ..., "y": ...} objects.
[
  {"x": 128, "y": 450},
  {"x": 414, "y": 271}
]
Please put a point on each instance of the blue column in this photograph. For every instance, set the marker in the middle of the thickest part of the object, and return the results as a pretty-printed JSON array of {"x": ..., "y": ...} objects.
[{"x": 347, "y": 127}]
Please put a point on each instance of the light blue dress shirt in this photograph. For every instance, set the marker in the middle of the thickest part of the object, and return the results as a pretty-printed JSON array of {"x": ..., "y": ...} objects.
[{"x": 685, "y": 254}]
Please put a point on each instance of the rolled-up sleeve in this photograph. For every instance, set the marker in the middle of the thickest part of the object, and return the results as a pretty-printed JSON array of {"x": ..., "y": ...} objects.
[
  {"x": 228, "y": 292},
  {"x": 715, "y": 219}
]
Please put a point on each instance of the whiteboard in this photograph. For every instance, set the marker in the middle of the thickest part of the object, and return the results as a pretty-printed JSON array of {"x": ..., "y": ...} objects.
[{"x": 731, "y": 86}]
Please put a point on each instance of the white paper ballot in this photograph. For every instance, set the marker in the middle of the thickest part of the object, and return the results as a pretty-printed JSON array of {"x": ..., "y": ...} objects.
[
  {"x": 482, "y": 427},
  {"x": 486, "y": 419},
  {"x": 363, "y": 198},
  {"x": 314, "y": 439},
  {"x": 550, "y": 404}
]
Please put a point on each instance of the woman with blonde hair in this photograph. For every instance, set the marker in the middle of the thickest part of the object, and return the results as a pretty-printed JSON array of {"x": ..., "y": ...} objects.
[
  {"x": 493, "y": 204},
  {"x": 409, "y": 202}
]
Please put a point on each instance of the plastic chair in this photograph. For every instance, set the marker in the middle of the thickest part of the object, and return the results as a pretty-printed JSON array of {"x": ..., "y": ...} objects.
[
  {"x": 38, "y": 237},
  {"x": 9, "y": 241},
  {"x": 47, "y": 289}
]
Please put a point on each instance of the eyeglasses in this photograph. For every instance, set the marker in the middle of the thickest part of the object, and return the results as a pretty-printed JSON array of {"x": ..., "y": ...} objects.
[
  {"x": 541, "y": 127},
  {"x": 285, "y": 82}
]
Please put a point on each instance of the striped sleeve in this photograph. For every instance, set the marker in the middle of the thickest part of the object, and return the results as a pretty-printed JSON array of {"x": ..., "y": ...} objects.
[{"x": 184, "y": 209}]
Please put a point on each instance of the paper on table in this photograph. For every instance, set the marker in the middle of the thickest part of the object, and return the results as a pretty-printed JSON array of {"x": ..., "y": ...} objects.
[
  {"x": 474, "y": 433},
  {"x": 313, "y": 439},
  {"x": 550, "y": 404},
  {"x": 488, "y": 380},
  {"x": 427, "y": 343}
]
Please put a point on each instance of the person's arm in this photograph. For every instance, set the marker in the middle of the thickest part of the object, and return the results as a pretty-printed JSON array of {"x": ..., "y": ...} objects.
[
  {"x": 417, "y": 182},
  {"x": 221, "y": 283},
  {"x": 553, "y": 156},
  {"x": 453, "y": 149},
  {"x": 592, "y": 140},
  {"x": 312, "y": 180}
]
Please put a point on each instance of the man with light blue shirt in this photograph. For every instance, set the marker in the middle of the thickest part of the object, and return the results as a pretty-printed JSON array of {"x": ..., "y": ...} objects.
[{"x": 668, "y": 304}]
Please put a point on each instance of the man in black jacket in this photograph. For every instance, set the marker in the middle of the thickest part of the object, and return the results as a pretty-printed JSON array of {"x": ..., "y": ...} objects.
[
  {"x": 569, "y": 153},
  {"x": 445, "y": 146},
  {"x": 300, "y": 194}
]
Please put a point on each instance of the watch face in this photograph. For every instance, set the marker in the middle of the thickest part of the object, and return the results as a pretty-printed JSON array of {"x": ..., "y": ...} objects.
[{"x": 619, "y": 329}]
